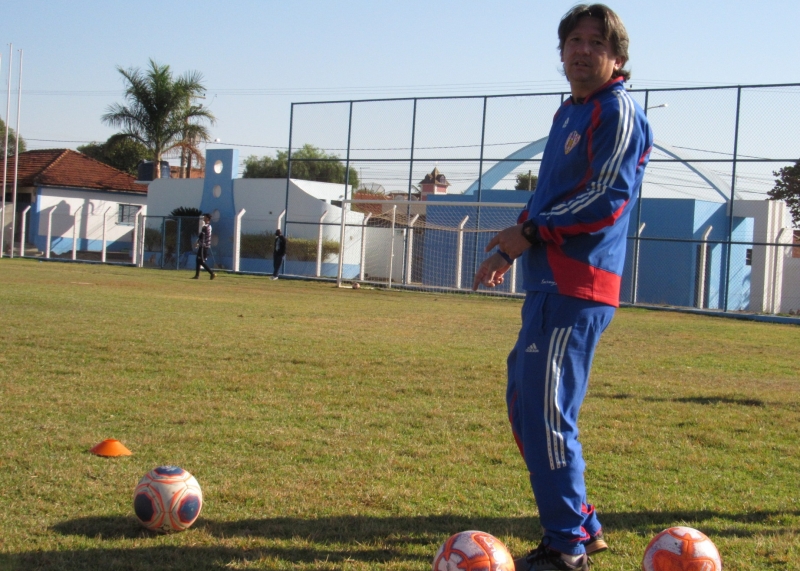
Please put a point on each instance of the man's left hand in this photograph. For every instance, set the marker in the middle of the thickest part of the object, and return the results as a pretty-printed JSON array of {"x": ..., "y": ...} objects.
[
  {"x": 490, "y": 273},
  {"x": 511, "y": 241}
]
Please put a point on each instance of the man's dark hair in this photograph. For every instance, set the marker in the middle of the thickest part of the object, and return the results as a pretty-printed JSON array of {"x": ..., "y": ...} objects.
[
  {"x": 278, "y": 232},
  {"x": 207, "y": 215},
  {"x": 613, "y": 31}
]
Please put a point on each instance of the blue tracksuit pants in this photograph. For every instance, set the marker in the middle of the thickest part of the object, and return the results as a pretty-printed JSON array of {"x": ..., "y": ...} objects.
[{"x": 548, "y": 374}]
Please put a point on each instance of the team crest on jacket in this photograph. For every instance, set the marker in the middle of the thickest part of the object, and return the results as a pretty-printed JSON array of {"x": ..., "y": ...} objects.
[{"x": 573, "y": 139}]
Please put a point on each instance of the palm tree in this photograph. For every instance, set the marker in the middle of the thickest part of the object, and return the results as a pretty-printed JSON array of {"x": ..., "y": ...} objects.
[{"x": 161, "y": 112}]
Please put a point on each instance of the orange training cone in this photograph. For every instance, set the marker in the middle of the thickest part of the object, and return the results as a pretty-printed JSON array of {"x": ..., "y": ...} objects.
[{"x": 111, "y": 447}]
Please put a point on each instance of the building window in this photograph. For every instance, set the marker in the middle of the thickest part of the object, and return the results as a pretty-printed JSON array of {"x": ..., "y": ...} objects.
[
  {"x": 748, "y": 257},
  {"x": 127, "y": 214}
]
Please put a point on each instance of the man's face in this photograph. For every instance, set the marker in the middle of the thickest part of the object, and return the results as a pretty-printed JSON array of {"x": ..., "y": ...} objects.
[{"x": 589, "y": 61}]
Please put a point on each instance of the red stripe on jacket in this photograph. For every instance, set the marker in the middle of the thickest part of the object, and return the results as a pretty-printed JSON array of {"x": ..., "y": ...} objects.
[{"x": 558, "y": 234}]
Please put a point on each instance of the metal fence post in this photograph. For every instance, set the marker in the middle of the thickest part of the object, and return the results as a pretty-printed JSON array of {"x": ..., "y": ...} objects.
[
  {"x": 49, "y": 231},
  {"x": 460, "y": 251},
  {"x": 480, "y": 191},
  {"x": 319, "y": 243},
  {"x": 391, "y": 248},
  {"x": 364, "y": 245},
  {"x": 163, "y": 241},
  {"x": 410, "y": 247},
  {"x": 140, "y": 246},
  {"x": 700, "y": 294},
  {"x": 105, "y": 223},
  {"x": 637, "y": 242},
  {"x": 22, "y": 232},
  {"x": 288, "y": 167},
  {"x": 635, "y": 277},
  {"x": 733, "y": 195},
  {"x": 237, "y": 239},
  {"x": 347, "y": 157},
  {"x": 75, "y": 233},
  {"x": 411, "y": 161},
  {"x": 342, "y": 223},
  {"x": 178, "y": 244}
]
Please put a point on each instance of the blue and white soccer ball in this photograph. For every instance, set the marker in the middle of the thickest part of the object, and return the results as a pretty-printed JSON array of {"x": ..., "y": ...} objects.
[{"x": 167, "y": 499}]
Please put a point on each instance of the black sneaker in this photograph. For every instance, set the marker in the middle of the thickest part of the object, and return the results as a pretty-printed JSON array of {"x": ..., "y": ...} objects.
[
  {"x": 596, "y": 544},
  {"x": 545, "y": 559}
]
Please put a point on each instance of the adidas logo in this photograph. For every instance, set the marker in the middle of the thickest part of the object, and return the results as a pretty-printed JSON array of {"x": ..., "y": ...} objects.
[{"x": 532, "y": 348}]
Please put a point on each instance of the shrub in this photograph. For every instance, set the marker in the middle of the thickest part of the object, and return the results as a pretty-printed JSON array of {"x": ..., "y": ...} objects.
[
  {"x": 152, "y": 240},
  {"x": 262, "y": 244}
]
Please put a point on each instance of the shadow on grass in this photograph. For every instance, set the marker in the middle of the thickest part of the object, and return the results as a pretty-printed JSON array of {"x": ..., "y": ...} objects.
[
  {"x": 342, "y": 538},
  {"x": 721, "y": 400},
  {"x": 103, "y": 528},
  {"x": 689, "y": 400},
  {"x": 424, "y": 529}
]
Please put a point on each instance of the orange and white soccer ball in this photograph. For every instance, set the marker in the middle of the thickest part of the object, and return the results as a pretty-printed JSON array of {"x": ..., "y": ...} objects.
[
  {"x": 473, "y": 551},
  {"x": 681, "y": 549},
  {"x": 167, "y": 499}
]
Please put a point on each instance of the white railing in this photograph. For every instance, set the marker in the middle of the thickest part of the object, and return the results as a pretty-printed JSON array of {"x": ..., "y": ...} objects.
[
  {"x": 75, "y": 232},
  {"x": 237, "y": 239},
  {"x": 460, "y": 252}
]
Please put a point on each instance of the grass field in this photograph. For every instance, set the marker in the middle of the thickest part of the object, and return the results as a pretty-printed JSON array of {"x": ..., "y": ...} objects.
[{"x": 342, "y": 429}]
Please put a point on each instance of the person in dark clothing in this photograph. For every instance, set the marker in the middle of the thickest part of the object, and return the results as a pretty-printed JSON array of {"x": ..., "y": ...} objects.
[
  {"x": 203, "y": 246},
  {"x": 278, "y": 253}
]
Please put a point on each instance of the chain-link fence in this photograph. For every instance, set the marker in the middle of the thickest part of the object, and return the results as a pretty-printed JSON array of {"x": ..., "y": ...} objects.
[
  {"x": 428, "y": 180},
  {"x": 703, "y": 234}
]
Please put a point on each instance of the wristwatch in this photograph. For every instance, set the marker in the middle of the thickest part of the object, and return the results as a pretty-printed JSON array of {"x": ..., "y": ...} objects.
[{"x": 529, "y": 232}]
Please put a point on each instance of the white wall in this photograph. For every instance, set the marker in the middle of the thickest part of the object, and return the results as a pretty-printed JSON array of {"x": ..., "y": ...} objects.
[
  {"x": 771, "y": 222},
  {"x": 88, "y": 209},
  {"x": 264, "y": 200},
  {"x": 790, "y": 300},
  {"x": 166, "y": 194}
]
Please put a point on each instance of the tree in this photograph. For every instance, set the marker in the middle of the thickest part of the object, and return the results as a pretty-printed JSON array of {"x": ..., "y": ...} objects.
[
  {"x": 119, "y": 152},
  {"x": 526, "y": 181},
  {"x": 161, "y": 113},
  {"x": 308, "y": 163},
  {"x": 12, "y": 140},
  {"x": 787, "y": 188}
]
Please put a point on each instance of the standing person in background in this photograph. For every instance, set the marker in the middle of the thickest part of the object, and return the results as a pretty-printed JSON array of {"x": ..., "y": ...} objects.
[
  {"x": 203, "y": 246},
  {"x": 278, "y": 253},
  {"x": 571, "y": 240}
]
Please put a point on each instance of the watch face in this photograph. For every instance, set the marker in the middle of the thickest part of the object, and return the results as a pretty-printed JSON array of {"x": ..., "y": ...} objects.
[{"x": 529, "y": 231}]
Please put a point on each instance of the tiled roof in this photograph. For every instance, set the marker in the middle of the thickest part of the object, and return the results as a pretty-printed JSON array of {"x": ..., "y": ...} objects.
[{"x": 68, "y": 168}]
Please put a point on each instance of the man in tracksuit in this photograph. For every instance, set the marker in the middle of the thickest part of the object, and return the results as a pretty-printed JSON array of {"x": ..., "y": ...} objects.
[{"x": 571, "y": 242}]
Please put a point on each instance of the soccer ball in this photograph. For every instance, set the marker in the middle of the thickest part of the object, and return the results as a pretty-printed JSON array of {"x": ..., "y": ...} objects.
[
  {"x": 681, "y": 549},
  {"x": 473, "y": 551},
  {"x": 356, "y": 285},
  {"x": 167, "y": 499}
]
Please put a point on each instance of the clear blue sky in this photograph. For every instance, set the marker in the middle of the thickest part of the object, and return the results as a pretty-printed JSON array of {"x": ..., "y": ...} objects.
[{"x": 259, "y": 56}]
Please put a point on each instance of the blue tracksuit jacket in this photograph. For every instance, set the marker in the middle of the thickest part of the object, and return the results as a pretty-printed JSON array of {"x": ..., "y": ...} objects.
[{"x": 589, "y": 179}]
